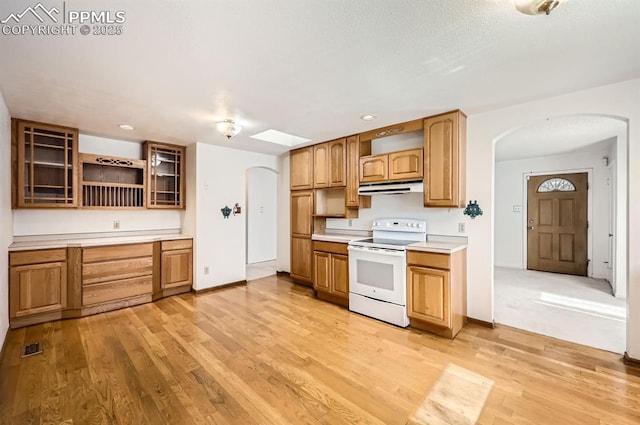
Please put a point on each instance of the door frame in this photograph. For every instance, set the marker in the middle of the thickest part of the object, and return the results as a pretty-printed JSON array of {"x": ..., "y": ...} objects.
[{"x": 525, "y": 203}]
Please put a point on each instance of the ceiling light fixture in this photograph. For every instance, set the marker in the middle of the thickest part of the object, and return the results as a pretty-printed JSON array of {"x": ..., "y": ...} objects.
[
  {"x": 536, "y": 7},
  {"x": 229, "y": 128},
  {"x": 126, "y": 127},
  {"x": 368, "y": 117}
]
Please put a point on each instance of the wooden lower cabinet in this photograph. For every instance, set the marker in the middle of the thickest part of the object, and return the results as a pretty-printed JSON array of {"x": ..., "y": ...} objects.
[
  {"x": 436, "y": 291},
  {"x": 175, "y": 269},
  {"x": 51, "y": 284},
  {"x": 301, "y": 259},
  {"x": 37, "y": 286},
  {"x": 331, "y": 271}
]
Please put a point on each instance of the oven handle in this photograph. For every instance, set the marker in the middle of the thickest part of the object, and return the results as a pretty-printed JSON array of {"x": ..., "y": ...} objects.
[{"x": 388, "y": 252}]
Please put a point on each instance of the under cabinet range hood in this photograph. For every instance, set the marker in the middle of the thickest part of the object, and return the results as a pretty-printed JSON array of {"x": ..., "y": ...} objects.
[{"x": 391, "y": 188}]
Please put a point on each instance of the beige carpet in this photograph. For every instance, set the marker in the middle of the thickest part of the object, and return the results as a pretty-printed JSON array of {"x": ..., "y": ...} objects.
[
  {"x": 456, "y": 399},
  {"x": 572, "y": 308}
]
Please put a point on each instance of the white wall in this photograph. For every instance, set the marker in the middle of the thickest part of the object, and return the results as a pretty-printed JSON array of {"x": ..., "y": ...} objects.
[
  {"x": 510, "y": 239},
  {"x": 6, "y": 225},
  {"x": 219, "y": 181},
  {"x": 615, "y": 100},
  {"x": 261, "y": 213},
  {"x": 284, "y": 213},
  {"x": 439, "y": 221},
  {"x": 63, "y": 221}
]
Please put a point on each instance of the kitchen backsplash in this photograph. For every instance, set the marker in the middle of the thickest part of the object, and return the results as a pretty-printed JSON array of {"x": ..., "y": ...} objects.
[{"x": 440, "y": 221}]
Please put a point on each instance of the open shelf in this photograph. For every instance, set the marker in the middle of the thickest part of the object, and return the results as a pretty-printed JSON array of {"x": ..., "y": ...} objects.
[{"x": 109, "y": 182}]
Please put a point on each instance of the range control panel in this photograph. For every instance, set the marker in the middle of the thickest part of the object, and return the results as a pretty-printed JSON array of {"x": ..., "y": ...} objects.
[{"x": 399, "y": 225}]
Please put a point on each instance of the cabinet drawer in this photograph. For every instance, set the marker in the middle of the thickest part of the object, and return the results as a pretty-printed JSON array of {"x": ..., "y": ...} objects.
[
  {"x": 429, "y": 259},
  {"x": 115, "y": 270},
  {"x": 37, "y": 256},
  {"x": 116, "y": 290},
  {"x": 333, "y": 247},
  {"x": 116, "y": 252},
  {"x": 177, "y": 244}
]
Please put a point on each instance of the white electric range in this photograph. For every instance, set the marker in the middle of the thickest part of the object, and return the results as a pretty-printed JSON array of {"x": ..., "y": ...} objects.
[{"x": 377, "y": 269}]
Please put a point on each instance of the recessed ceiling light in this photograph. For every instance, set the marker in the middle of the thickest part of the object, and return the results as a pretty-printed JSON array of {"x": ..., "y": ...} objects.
[
  {"x": 368, "y": 117},
  {"x": 126, "y": 127}
]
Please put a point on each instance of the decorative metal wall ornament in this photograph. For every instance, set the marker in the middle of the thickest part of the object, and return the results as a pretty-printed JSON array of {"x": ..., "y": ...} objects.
[
  {"x": 226, "y": 211},
  {"x": 473, "y": 209}
]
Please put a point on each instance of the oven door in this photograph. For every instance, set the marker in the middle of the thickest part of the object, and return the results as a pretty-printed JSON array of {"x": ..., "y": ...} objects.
[{"x": 378, "y": 273}]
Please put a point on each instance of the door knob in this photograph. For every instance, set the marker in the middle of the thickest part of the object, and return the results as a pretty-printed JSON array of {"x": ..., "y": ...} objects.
[{"x": 530, "y": 227}]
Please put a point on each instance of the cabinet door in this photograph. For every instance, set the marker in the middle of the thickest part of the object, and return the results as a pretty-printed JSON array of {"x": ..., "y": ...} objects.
[
  {"x": 444, "y": 153},
  {"x": 302, "y": 213},
  {"x": 321, "y": 271},
  {"x": 47, "y": 165},
  {"x": 321, "y": 165},
  {"x": 353, "y": 157},
  {"x": 429, "y": 295},
  {"x": 340, "y": 275},
  {"x": 301, "y": 259},
  {"x": 165, "y": 176},
  {"x": 37, "y": 288},
  {"x": 374, "y": 169},
  {"x": 301, "y": 169},
  {"x": 406, "y": 165},
  {"x": 177, "y": 269},
  {"x": 338, "y": 163}
]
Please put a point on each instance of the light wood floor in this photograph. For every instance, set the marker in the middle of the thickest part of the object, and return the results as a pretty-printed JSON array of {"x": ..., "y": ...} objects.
[{"x": 269, "y": 353}]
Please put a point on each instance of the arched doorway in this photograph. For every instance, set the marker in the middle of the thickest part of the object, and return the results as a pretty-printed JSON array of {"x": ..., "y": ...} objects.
[
  {"x": 589, "y": 310},
  {"x": 261, "y": 216}
]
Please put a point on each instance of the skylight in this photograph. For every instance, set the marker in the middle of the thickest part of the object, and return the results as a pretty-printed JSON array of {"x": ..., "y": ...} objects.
[{"x": 275, "y": 136}]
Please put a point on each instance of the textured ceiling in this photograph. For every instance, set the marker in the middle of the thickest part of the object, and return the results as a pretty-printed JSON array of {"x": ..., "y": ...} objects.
[
  {"x": 310, "y": 68},
  {"x": 558, "y": 135}
]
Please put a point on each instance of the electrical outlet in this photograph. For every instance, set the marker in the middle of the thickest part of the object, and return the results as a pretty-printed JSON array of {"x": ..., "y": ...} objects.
[
  {"x": 460, "y": 227},
  {"x": 350, "y": 222},
  {"x": 517, "y": 208},
  {"x": 116, "y": 224},
  {"x": 206, "y": 270}
]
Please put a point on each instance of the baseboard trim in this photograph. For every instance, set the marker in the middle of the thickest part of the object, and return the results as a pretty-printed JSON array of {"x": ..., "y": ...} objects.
[
  {"x": 223, "y": 286},
  {"x": 482, "y": 323},
  {"x": 4, "y": 343},
  {"x": 630, "y": 361}
]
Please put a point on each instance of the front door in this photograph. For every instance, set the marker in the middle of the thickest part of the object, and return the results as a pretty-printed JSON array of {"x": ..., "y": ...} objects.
[{"x": 557, "y": 223}]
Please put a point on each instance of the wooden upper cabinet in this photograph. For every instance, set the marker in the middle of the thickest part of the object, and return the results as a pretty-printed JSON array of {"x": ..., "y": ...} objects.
[
  {"x": 321, "y": 165},
  {"x": 374, "y": 168},
  {"x": 338, "y": 163},
  {"x": 406, "y": 165},
  {"x": 301, "y": 169},
  {"x": 445, "y": 160},
  {"x": 44, "y": 165},
  {"x": 353, "y": 157},
  {"x": 165, "y": 175},
  {"x": 330, "y": 164},
  {"x": 302, "y": 213}
]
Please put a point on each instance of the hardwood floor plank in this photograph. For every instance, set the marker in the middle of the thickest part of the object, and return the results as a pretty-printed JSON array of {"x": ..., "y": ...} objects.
[{"x": 270, "y": 353}]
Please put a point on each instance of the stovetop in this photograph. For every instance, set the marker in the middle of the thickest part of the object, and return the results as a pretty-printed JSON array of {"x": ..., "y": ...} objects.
[{"x": 382, "y": 241}]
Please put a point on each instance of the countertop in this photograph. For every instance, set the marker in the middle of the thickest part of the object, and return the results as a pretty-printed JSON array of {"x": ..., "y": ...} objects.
[
  {"x": 437, "y": 246},
  {"x": 339, "y": 237},
  {"x": 88, "y": 242}
]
